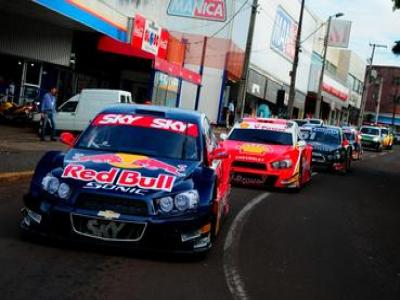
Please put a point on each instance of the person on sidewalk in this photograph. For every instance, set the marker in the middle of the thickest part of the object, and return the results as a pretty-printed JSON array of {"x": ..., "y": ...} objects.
[
  {"x": 48, "y": 111},
  {"x": 230, "y": 115}
]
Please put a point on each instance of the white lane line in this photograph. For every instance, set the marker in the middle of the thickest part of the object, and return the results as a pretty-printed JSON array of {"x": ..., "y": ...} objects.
[
  {"x": 373, "y": 156},
  {"x": 231, "y": 248},
  {"x": 314, "y": 173},
  {"x": 383, "y": 153}
]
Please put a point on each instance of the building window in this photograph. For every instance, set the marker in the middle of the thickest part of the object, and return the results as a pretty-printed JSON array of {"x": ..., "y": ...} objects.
[{"x": 396, "y": 80}]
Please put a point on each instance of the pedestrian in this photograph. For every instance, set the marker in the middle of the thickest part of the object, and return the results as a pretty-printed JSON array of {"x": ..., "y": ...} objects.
[
  {"x": 230, "y": 114},
  {"x": 48, "y": 111},
  {"x": 263, "y": 111}
]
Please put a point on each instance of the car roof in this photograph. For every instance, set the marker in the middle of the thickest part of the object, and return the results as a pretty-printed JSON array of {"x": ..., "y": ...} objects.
[{"x": 158, "y": 111}]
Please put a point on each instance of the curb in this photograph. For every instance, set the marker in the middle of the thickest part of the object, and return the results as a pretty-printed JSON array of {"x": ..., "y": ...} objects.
[{"x": 16, "y": 176}]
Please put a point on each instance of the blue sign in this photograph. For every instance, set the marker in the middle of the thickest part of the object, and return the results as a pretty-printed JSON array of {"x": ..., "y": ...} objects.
[{"x": 284, "y": 34}]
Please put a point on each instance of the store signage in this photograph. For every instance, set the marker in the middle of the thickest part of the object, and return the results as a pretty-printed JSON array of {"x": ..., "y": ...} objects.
[
  {"x": 149, "y": 37},
  {"x": 284, "y": 34},
  {"x": 213, "y": 10},
  {"x": 334, "y": 91},
  {"x": 177, "y": 71},
  {"x": 339, "y": 33}
]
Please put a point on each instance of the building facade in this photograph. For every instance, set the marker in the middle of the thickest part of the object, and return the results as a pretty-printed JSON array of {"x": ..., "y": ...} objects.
[{"x": 389, "y": 108}]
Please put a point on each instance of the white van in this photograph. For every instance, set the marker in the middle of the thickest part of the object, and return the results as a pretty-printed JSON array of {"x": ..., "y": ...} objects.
[{"x": 77, "y": 112}]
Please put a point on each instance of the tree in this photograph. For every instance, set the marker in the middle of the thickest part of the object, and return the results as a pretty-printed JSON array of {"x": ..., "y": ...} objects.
[
  {"x": 396, "y": 4},
  {"x": 396, "y": 47}
]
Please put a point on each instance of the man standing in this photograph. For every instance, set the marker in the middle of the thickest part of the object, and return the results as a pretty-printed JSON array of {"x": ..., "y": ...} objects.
[
  {"x": 48, "y": 110},
  {"x": 230, "y": 114}
]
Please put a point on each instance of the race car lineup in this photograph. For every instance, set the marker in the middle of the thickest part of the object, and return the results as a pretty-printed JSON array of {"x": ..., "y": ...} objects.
[{"x": 155, "y": 178}]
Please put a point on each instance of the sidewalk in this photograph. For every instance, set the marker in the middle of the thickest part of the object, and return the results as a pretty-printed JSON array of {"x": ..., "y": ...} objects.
[{"x": 21, "y": 149}]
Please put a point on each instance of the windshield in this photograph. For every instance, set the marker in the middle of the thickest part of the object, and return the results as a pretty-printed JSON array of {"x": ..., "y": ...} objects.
[
  {"x": 140, "y": 140},
  {"x": 324, "y": 136},
  {"x": 369, "y": 130},
  {"x": 300, "y": 122},
  {"x": 317, "y": 122},
  {"x": 261, "y": 136},
  {"x": 349, "y": 135}
]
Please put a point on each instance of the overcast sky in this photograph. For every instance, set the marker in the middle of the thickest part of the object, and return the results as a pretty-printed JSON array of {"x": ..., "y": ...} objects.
[{"x": 373, "y": 21}]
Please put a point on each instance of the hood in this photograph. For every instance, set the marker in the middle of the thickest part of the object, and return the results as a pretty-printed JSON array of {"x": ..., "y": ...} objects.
[
  {"x": 125, "y": 173},
  {"x": 323, "y": 148},
  {"x": 268, "y": 152}
]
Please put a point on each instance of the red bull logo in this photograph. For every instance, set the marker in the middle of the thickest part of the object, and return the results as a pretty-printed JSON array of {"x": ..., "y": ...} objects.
[
  {"x": 125, "y": 178},
  {"x": 132, "y": 161}
]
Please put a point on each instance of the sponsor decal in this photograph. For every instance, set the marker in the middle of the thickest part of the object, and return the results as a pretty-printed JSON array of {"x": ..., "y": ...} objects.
[
  {"x": 132, "y": 161},
  {"x": 249, "y": 158},
  {"x": 115, "y": 188},
  {"x": 240, "y": 179},
  {"x": 125, "y": 178},
  {"x": 99, "y": 229},
  {"x": 264, "y": 126},
  {"x": 148, "y": 122},
  {"x": 254, "y": 148},
  {"x": 213, "y": 10}
]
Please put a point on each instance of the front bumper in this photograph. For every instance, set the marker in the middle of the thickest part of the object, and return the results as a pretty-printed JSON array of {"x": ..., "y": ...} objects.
[
  {"x": 322, "y": 161},
  {"x": 370, "y": 144},
  {"x": 180, "y": 234}
]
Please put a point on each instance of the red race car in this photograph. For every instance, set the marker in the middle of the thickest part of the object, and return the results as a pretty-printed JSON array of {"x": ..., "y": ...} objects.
[{"x": 268, "y": 152}]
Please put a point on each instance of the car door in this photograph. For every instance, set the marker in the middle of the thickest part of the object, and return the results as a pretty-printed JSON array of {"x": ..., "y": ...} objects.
[{"x": 66, "y": 115}]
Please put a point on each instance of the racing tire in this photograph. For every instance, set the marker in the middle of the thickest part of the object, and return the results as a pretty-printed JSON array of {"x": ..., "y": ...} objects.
[
  {"x": 300, "y": 179},
  {"x": 347, "y": 164}
]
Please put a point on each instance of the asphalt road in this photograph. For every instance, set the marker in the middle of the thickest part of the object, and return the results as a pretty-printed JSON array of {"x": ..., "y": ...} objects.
[{"x": 338, "y": 239}]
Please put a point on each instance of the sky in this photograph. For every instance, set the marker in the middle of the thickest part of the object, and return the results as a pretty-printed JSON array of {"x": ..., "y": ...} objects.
[{"x": 373, "y": 22}]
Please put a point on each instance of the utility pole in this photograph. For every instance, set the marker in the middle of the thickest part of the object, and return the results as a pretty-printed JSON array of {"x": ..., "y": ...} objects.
[
  {"x": 321, "y": 76},
  {"x": 201, "y": 71},
  {"x": 378, "y": 106},
  {"x": 293, "y": 73},
  {"x": 241, "y": 98},
  {"x": 367, "y": 83}
]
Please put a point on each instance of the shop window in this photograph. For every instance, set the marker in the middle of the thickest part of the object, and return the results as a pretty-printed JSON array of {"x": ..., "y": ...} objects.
[
  {"x": 69, "y": 106},
  {"x": 165, "y": 91}
]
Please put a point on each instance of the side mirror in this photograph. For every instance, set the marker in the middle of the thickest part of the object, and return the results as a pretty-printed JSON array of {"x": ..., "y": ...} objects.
[
  {"x": 223, "y": 136},
  {"x": 219, "y": 153},
  {"x": 68, "y": 139},
  {"x": 301, "y": 144}
]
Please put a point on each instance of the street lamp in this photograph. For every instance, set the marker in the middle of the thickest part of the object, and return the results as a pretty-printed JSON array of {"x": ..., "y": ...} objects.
[{"x": 325, "y": 51}]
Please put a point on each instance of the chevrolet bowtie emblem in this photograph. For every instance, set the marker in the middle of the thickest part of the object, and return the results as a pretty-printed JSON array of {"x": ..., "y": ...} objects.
[{"x": 108, "y": 214}]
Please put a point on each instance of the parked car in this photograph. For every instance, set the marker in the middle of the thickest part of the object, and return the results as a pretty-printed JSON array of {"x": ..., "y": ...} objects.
[
  {"x": 268, "y": 152},
  {"x": 312, "y": 122},
  {"x": 331, "y": 149},
  {"x": 76, "y": 113},
  {"x": 353, "y": 136},
  {"x": 140, "y": 176},
  {"x": 375, "y": 137}
]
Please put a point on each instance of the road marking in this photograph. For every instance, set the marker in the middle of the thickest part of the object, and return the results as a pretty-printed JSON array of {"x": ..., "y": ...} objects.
[
  {"x": 231, "y": 246},
  {"x": 383, "y": 153},
  {"x": 314, "y": 173},
  {"x": 373, "y": 156}
]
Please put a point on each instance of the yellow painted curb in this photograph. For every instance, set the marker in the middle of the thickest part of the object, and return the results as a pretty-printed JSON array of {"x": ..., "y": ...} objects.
[{"x": 15, "y": 176}]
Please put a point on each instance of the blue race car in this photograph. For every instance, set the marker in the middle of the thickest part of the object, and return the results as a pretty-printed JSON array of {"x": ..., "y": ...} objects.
[{"x": 139, "y": 176}]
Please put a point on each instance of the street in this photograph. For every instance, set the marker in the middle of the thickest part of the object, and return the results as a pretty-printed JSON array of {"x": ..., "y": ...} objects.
[{"x": 339, "y": 238}]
